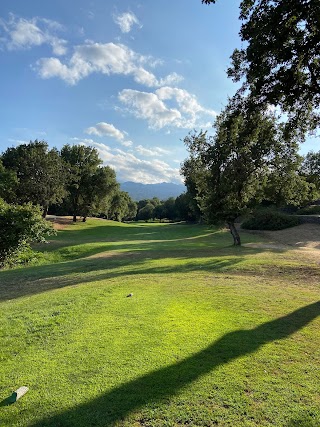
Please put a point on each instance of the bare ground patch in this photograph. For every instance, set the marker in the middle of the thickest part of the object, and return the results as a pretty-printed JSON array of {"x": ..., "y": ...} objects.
[
  {"x": 304, "y": 239},
  {"x": 59, "y": 222},
  {"x": 301, "y": 236}
]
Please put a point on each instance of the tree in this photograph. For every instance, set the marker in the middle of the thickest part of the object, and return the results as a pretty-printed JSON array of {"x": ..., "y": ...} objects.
[
  {"x": 159, "y": 211},
  {"x": 95, "y": 187},
  {"x": 310, "y": 168},
  {"x": 280, "y": 61},
  {"x": 20, "y": 226},
  {"x": 87, "y": 183},
  {"x": 39, "y": 171},
  {"x": 285, "y": 185},
  {"x": 170, "y": 208},
  {"x": 146, "y": 213},
  {"x": 187, "y": 208},
  {"x": 122, "y": 206},
  {"x": 229, "y": 170},
  {"x": 8, "y": 184}
]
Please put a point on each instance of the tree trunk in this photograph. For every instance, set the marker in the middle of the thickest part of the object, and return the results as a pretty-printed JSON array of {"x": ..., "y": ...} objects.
[
  {"x": 45, "y": 211},
  {"x": 235, "y": 234},
  {"x": 74, "y": 219},
  {"x": 84, "y": 219}
]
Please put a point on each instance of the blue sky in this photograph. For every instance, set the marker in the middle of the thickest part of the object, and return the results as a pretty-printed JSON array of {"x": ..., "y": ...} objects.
[{"x": 130, "y": 78}]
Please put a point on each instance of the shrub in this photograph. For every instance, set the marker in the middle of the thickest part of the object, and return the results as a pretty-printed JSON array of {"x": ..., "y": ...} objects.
[
  {"x": 20, "y": 226},
  {"x": 270, "y": 219},
  {"x": 309, "y": 210}
]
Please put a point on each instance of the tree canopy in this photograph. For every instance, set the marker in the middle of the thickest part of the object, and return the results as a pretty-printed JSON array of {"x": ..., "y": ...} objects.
[
  {"x": 20, "y": 226},
  {"x": 39, "y": 171},
  {"x": 280, "y": 61},
  {"x": 229, "y": 171},
  {"x": 310, "y": 168},
  {"x": 87, "y": 183}
]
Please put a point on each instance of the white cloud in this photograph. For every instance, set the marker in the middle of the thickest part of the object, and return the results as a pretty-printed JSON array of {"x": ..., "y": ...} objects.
[
  {"x": 108, "y": 58},
  {"x": 126, "y": 21},
  {"x": 22, "y": 33},
  {"x": 59, "y": 46},
  {"x": 130, "y": 168},
  {"x": 107, "y": 129},
  {"x": 156, "y": 151},
  {"x": 148, "y": 106},
  {"x": 127, "y": 143},
  {"x": 187, "y": 113}
]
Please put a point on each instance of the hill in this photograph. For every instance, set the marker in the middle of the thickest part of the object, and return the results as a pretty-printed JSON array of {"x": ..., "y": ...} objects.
[{"x": 163, "y": 190}]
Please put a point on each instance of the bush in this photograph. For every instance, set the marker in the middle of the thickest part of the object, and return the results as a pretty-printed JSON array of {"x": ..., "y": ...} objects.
[
  {"x": 309, "y": 210},
  {"x": 270, "y": 219},
  {"x": 20, "y": 226}
]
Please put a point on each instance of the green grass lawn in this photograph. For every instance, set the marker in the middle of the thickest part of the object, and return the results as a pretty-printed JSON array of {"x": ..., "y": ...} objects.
[{"x": 213, "y": 335}]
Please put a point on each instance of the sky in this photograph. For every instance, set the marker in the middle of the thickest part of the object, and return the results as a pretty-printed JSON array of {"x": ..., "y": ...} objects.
[{"x": 130, "y": 78}]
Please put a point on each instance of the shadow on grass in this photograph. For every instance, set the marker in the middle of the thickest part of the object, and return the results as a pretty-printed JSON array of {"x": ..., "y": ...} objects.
[
  {"x": 39, "y": 279},
  {"x": 304, "y": 421},
  {"x": 106, "y": 258},
  {"x": 115, "y": 232},
  {"x": 6, "y": 402},
  {"x": 160, "y": 385}
]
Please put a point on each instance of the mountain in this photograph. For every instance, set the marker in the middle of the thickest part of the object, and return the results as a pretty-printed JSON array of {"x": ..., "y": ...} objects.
[{"x": 163, "y": 190}]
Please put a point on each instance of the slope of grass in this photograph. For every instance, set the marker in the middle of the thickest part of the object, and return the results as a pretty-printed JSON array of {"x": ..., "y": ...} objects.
[{"x": 212, "y": 335}]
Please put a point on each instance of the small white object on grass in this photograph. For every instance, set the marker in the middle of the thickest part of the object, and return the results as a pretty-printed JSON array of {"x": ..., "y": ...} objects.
[
  {"x": 19, "y": 393},
  {"x": 130, "y": 295}
]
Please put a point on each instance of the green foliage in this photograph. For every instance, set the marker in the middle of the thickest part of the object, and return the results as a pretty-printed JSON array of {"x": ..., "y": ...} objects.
[
  {"x": 20, "y": 226},
  {"x": 40, "y": 173},
  {"x": 270, "y": 219},
  {"x": 185, "y": 210},
  {"x": 146, "y": 212},
  {"x": 281, "y": 67},
  {"x": 8, "y": 183},
  {"x": 247, "y": 161},
  {"x": 88, "y": 184},
  {"x": 309, "y": 210},
  {"x": 121, "y": 207},
  {"x": 229, "y": 170},
  {"x": 310, "y": 169},
  {"x": 285, "y": 185}
]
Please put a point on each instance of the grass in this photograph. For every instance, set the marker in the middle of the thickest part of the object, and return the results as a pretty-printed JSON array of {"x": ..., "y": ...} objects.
[{"x": 213, "y": 335}]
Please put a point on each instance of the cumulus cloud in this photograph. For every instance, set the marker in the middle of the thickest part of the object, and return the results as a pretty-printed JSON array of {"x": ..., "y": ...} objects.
[
  {"x": 152, "y": 152},
  {"x": 130, "y": 168},
  {"x": 126, "y": 21},
  {"x": 20, "y": 33},
  {"x": 148, "y": 106},
  {"x": 107, "y": 129},
  {"x": 188, "y": 113},
  {"x": 108, "y": 58}
]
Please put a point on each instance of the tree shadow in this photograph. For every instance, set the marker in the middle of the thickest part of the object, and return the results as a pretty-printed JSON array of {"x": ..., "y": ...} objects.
[
  {"x": 303, "y": 421},
  {"x": 39, "y": 279},
  {"x": 160, "y": 385}
]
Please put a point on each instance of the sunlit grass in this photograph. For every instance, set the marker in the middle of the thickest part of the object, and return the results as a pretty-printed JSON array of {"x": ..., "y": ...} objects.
[{"x": 92, "y": 356}]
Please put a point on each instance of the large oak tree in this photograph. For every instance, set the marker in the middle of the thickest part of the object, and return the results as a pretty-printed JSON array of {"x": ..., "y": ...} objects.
[{"x": 230, "y": 172}]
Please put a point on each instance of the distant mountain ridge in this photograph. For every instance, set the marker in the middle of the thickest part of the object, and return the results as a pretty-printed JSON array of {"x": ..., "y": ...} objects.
[{"x": 163, "y": 190}]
